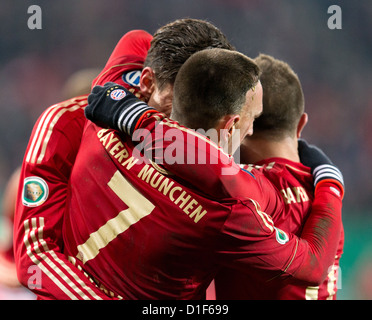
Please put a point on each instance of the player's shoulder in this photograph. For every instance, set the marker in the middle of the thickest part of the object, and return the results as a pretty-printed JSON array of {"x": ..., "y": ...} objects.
[
  {"x": 248, "y": 212},
  {"x": 66, "y": 114},
  {"x": 277, "y": 166},
  {"x": 66, "y": 110},
  {"x": 60, "y": 122},
  {"x": 73, "y": 104}
]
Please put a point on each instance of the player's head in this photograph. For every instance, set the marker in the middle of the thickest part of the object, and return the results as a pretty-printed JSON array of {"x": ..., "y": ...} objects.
[
  {"x": 171, "y": 46},
  {"x": 220, "y": 89},
  {"x": 283, "y": 101}
]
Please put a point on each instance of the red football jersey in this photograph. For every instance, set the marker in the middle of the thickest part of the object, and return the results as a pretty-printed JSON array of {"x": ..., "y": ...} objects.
[
  {"x": 143, "y": 233},
  {"x": 295, "y": 183},
  {"x": 41, "y": 199},
  {"x": 219, "y": 179}
]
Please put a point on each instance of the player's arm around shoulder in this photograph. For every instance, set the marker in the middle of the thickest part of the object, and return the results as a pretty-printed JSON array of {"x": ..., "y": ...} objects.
[
  {"x": 250, "y": 242},
  {"x": 250, "y": 239}
]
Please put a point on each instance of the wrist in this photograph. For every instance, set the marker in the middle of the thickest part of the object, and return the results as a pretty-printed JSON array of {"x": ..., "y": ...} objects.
[
  {"x": 331, "y": 185},
  {"x": 131, "y": 117}
]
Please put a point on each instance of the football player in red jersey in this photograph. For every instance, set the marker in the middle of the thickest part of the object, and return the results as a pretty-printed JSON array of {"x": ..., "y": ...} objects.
[
  {"x": 56, "y": 138},
  {"x": 49, "y": 157},
  {"x": 273, "y": 148},
  {"x": 78, "y": 84},
  {"x": 173, "y": 235}
]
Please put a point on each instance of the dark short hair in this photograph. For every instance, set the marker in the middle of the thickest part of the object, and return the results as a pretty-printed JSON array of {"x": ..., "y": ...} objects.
[
  {"x": 211, "y": 84},
  {"x": 175, "y": 42},
  {"x": 283, "y": 99}
]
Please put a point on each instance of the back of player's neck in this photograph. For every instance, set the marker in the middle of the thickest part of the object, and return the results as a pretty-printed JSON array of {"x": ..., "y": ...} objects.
[{"x": 261, "y": 149}]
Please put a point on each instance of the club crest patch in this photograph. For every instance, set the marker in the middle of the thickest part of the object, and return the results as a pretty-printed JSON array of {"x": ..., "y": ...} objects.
[
  {"x": 117, "y": 94},
  {"x": 35, "y": 192}
]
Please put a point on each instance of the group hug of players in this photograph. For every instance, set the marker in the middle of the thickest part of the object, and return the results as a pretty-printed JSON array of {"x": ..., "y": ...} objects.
[{"x": 100, "y": 224}]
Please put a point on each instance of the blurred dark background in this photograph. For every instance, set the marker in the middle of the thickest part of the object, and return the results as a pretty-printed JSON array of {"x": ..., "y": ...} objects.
[{"x": 334, "y": 67}]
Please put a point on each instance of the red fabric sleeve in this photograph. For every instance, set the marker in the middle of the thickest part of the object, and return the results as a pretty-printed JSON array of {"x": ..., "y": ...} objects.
[
  {"x": 321, "y": 234},
  {"x": 38, "y": 244},
  {"x": 197, "y": 160},
  {"x": 129, "y": 54},
  {"x": 133, "y": 43},
  {"x": 250, "y": 241}
]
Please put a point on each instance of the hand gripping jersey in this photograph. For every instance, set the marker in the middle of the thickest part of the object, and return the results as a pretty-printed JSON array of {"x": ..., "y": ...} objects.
[
  {"x": 145, "y": 232},
  {"x": 295, "y": 183},
  {"x": 49, "y": 158}
]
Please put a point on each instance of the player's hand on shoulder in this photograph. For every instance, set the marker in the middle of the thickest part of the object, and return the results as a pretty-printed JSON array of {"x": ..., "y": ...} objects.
[{"x": 115, "y": 107}]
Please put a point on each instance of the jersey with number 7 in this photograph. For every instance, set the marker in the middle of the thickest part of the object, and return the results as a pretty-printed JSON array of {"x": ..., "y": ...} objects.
[{"x": 143, "y": 233}]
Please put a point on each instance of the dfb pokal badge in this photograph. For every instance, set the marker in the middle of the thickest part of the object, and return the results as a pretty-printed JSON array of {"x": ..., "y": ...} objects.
[{"x": 35, "y": 192}]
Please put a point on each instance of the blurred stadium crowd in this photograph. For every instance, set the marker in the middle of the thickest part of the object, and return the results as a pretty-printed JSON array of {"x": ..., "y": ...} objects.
[{"x": 334, "y": 65}]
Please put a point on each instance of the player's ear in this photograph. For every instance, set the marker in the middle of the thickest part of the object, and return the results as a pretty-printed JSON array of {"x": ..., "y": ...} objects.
[
  {"x": 226, "y": 127},
  {"x": 230, "y": 125},
  {"x": 301, "y": 124},
  {"x": 147, "y": 82}
]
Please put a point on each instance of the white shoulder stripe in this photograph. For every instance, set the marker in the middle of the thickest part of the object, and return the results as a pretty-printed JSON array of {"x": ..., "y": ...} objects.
[
  {"x": 266, "y": 219},
  {"x": 52, "y": 266},
  {"x": 45, "y": 128},
  {"x": 50, "y": 130},
  {"x": 37, "y": 133}
]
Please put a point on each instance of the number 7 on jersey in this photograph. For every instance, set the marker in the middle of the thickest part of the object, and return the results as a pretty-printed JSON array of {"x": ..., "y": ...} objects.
[{"x": 138, "y": 208}]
